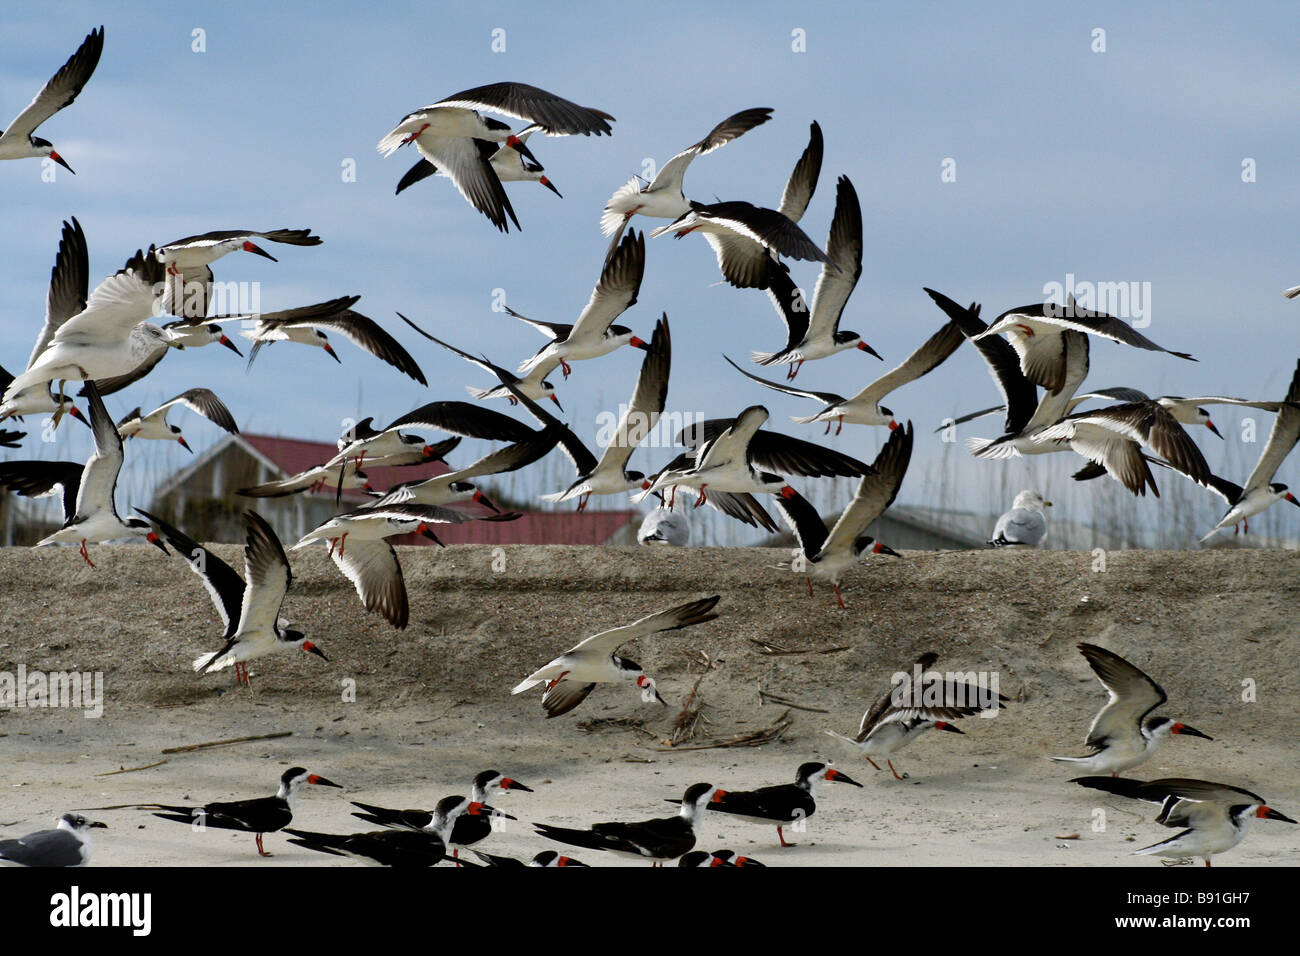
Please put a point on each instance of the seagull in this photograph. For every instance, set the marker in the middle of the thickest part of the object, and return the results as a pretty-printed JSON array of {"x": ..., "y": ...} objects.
[
  {"x": 594, "y": 335},
  {"x": 658, "y": 840},
  {"x": 508, "y": 163},
  {"x": 135, "y": 424},
  {"x": 188, "y": 287},
  {"x": 110, "y": 337},
  {"x": 1024, "y": 524},
  {"x": 65, "y": 297},
  {"x": 425, "y": 847},
  {"x": 1035, "y": 331},
  {"x": 89, "y": 513},
  {"x": 17, "y": 142},
  {"x": 371, "y": 563},
  {"x": 829, "y": 554},
  {"x": 785, "y": 803},
  {"x": 663, "y": 198},
  {"x": 259, "y": 816},
  {"x": 663, "y": 526},
  {"x": 249, "y": 612},
  {"x": 1216, "y": 815},
  {"x": 575, "y": 673},
  {"x": 914, "y": 704},
  {"x": 1124, "y": 733},
  {"x": 533, "y": 385},
  {"x": 67, "y": 845},
  {"x": 816, "y": 334},
  {"x": 864, "y": 408},
  {"x": 449, "y": 132},
  {"x": 1260, "y": 491}
]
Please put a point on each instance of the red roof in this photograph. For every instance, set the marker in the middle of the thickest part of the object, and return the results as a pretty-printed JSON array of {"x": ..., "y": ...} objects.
[{"x": 569, "y": 526}]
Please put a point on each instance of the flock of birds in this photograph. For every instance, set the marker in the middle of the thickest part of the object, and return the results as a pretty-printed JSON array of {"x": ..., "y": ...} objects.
[{"x": 113, "y": 336}]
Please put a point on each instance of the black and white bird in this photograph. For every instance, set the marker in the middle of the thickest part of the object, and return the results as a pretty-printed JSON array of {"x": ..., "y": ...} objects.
[
  {"x": 1024, "y": 525},
  {"x": 828, "y": 554},
  {"x": 1125, "y": 732},
  {"x": 662, "y": 197},
  {"x": 534, "y": 385},
  {"x": 864, "y": 408},
  {"x": 814, "y": 333},
  {"x": 1260, "y": 490},
  {"x": 136, "y": 424},
  {"x": 87, "y": 491},
  {"x": 17, "y": 141},
  {"x": 425, "y": 847},
  {"x": 1035, "y": 333},
  {"x": 704, "y": 860},
  {"x": 312, "y": 480},
  {"x": 1216, "y": 816},
  {"x": 249, "y": 612},
  {"x": 547, "y": 859},
  {"x": 784, "y": 804},
  {"x": 304, "y": 327},
  {"x": 663, "y": 526},
  {"x": 575, "y": 673},
  {"x": 658, "y": 840},
  {"x": 69, "y": 844},
  {"x": 64, "y": 298},
  {"x": 916, "y": 702},
  {"x": 187, "y": 289},
  {"x": 370, "y": 562},
  {"x": 451, "y": 135},
  {"x": 259, "y": 816},
  {"x": 594, "y": 334},
  {"x": 508, "y": 163}
]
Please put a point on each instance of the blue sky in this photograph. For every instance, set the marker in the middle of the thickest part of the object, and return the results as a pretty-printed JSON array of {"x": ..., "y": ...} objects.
[{"x": 1117, "y": 166}]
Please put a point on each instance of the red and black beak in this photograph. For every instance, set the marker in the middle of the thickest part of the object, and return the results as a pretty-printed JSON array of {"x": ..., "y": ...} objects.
[
  {"x": 868, "y": 349},
  {"x": 1291, "y": 498},
  {"x": 320, "y": 781},
  {"x": 332, "y": 353},
  {"x": 1188, "y": 731},
  {"x": 557, "y": 403},
  {"x": 951, "y": 728},
  {"x": 882, "y": 548},
  {"x": 485, "y": 501},
  {"x": 1210, "y": 425},
  {"x": 638, "y": 343},
  {"x": 64, "y": 163},
  {"x": 311, "y": 648},
  {"x": 550, "y": 185},
  {"x": 153, "y": 539},
  {"x": 180, "y": 440},
  {"x": 839, "y": 776},
  {"x": 424, "y": 530},
  {"x": 259, "y": 251},
  {"x": 515, "y": 143},
  {"x": 508, "y": 783},
  {"x": 72, "y": 410},
  {"x": 1268, "y": 813},
  {"x": 230, "y": 345}
]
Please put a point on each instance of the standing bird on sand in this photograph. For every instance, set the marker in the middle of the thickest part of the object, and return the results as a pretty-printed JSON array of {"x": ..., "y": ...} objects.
[
  {"x": 17, "y": 142},
  {"x": 1124, "y": 734},
  {"x": 67, "y": 845},
  {"x": 1025, "y": 524},
  {"x": 785, "y": 803},
  {"x": 575, "y": 673}
]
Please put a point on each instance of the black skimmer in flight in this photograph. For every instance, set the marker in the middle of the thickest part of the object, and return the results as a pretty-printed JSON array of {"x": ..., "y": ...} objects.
[
  {"x": 828, "y": 554},
  {"x": 468, "y": 830},
  {"x": 17, "y": 142},
  {"x": 815, "y": 333},
  {"x": 659, "y": 840},
  {"x": 663, "y": 526},
  {"x": 370, "y": 562},
  {"x": 424, "y": 847},
  {"x": 89, "y": 514},
  {"x": 312, "y": 480},
  {"x": 1124, "y": 733},
  {"x": 108, "y": 339},
  {"x": 662, "y": 197},
  {"x": 136, "y": 424},
  {"x": 1024, "y": 525},
  {"x": 188, "y": 287},
  {"x": 259, "y": 816},
  {"x": 575, "y": 673},
  {"x": 594, "y": 333},
  {"x": 449, "y": 134},
  {"x": 547, "y": 858},
  {"x": 250, "y": 612},
  {"x": 533, "y": 384},
  {"x": 864, "y": 408},
  {"x": 68, "y": 844},
  {"x": 728, "y": 454},
  {"x": 508, "y": 163},
  {"x": 65, "y": 297},
  {"x": 1216, "y": 815},
  {"x": 911, "y": 707},
  {"x": 785, "y": 803},
  {"x": 1260, "y": 490},
  {"x": 1035, "y": 333}
]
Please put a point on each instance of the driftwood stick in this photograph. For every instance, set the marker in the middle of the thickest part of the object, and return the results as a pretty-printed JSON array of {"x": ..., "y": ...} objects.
[
  {"x": 148, "y": 766},
  {"x": 221, "y": 743}
]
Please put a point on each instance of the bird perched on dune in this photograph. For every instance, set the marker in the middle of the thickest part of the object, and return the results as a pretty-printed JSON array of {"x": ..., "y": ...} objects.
[{"x": 1025, "y": 524}]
